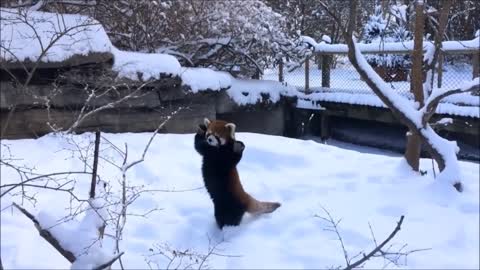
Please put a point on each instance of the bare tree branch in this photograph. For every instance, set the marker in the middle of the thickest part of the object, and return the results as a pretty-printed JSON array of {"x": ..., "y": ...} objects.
[
  {"x": 432, "y": 104},
  {"x": 129, "y": 165},
  {"x": 28, "y": 180},
  {"x": 23, "y": 16},
  {"x": 335, "y": 229},
  {"x": 109, "y": 263},
  {"x": 45, "y": 234},
  {"x": 378, "y": 248}
]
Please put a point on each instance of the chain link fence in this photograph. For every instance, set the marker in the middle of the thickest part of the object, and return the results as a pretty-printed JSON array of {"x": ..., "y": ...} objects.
[{"x": 455, "y": 69}]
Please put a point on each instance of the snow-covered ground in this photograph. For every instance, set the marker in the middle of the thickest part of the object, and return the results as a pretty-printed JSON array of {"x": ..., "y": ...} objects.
[{"x": 357, "y": 185}]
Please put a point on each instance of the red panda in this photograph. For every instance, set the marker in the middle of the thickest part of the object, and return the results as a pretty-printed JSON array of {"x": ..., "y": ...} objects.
[{"x": 215, "y": 142}]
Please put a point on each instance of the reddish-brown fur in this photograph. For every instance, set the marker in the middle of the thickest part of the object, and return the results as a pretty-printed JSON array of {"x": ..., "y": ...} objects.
[{"x": 220, "y": 128}]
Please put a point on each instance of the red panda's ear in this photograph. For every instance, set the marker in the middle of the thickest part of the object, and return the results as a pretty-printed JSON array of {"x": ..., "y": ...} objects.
[
  {"x": 231, "y": 127},
  {"x": 206, "y": 122}
]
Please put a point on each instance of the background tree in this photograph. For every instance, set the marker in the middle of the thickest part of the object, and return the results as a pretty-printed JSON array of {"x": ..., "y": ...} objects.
[
  {"x": 242, "y": 36},
  {"x": 415, "y": 117}
]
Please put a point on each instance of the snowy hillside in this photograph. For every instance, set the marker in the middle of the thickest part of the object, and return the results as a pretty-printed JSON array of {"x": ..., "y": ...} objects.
[{"x": 356, "y": 186}]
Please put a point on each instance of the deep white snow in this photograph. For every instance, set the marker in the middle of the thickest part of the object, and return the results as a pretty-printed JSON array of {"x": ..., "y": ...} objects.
[
  {"x": 353, "y": 184},
  {"x": 150, "y": 65},
  {"x": 26, "y": 34},
  {"x": 199, "y": 79}
]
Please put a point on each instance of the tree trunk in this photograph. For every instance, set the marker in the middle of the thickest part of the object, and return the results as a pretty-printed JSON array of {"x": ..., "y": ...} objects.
[
  {"x": 434, "y": 146},
  {"x": 414, "y": 145},
  {"x": 412, "y": 151}
]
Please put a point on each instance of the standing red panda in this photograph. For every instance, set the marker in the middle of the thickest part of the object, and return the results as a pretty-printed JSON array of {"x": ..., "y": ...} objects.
[{"x": 215, "y": 142}]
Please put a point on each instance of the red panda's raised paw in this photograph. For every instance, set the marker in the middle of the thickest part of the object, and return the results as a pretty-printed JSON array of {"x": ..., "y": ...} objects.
[{"x": 238, "y": 147}]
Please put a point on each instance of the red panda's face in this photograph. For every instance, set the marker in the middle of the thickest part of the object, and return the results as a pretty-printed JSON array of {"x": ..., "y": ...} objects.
[{"x": 219, "y": 132}]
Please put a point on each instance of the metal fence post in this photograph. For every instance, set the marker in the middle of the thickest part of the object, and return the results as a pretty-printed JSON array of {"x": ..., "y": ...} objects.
[
  {"x": 440, "y": 70},
  {"x": 280, "y": 71},
  {"x": 476, "y": 64},
  {"x": 307, "y": 74},
  {"x": 326, "y": 59}
]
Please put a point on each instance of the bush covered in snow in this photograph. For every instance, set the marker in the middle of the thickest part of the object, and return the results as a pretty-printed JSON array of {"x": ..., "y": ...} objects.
[
  {"x": 391, "y": 27},
  {"x": 245, "y": 36}
]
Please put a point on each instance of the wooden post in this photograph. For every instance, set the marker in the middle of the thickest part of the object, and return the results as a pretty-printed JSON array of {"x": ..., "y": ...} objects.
[
  {"x": 476, "y": 64},
  {"x": 440, "y": 69},
  {"x": 326, "y": 59},
  {"x": 280, "y": 71},
  {"x": 307, "y": 74},
  {"x": 324, "y": 126},
  {"x": 256, "y": 76}
]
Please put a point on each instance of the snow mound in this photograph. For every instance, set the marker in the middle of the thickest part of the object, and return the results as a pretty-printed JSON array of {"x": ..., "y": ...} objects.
[
  {"x": 26, "y": 34},
  {"x": 199, "y": 79},
  {"x": 242, "y": 91},
  {"x": 144, "y": 66},
  {"x": 246, "y": 91}
]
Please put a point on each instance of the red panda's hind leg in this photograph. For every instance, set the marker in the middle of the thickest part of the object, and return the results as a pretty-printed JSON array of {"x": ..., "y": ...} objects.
[{"x": 257, "y": 208}]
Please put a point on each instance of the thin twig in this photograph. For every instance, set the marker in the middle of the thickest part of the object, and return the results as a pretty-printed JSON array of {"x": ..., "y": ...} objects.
[
  {"x": 378, "y": 248},
  {"x": 335, "y": 229},
  {"x": 109, "y": 263}
]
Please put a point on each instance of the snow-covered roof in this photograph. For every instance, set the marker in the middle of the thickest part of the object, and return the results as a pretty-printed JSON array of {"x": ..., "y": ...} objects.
[
  {"x": 242, "y": 91},
  {"x": 52, "y": 38},
  {"x": 56, "y": 39},
  {"x": 150, "y": 65},
  {"x": 29, "y": 36}
]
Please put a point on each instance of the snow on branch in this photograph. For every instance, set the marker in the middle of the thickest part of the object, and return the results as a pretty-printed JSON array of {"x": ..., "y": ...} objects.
[
  {"x": 393, "y": 47},
  {"x": 78, "y": 241},
  {"x": 47, "y": 235},
  {"x": 384, "y": 91},
  {"x": 436, "y": 96}
]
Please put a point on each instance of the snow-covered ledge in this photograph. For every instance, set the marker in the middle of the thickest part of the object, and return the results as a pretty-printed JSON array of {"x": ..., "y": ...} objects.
[{"x": 460, "y": 46}]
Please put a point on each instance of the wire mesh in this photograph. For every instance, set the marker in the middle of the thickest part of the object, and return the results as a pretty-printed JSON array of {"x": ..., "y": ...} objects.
[{"x": 344, "y": 78}]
